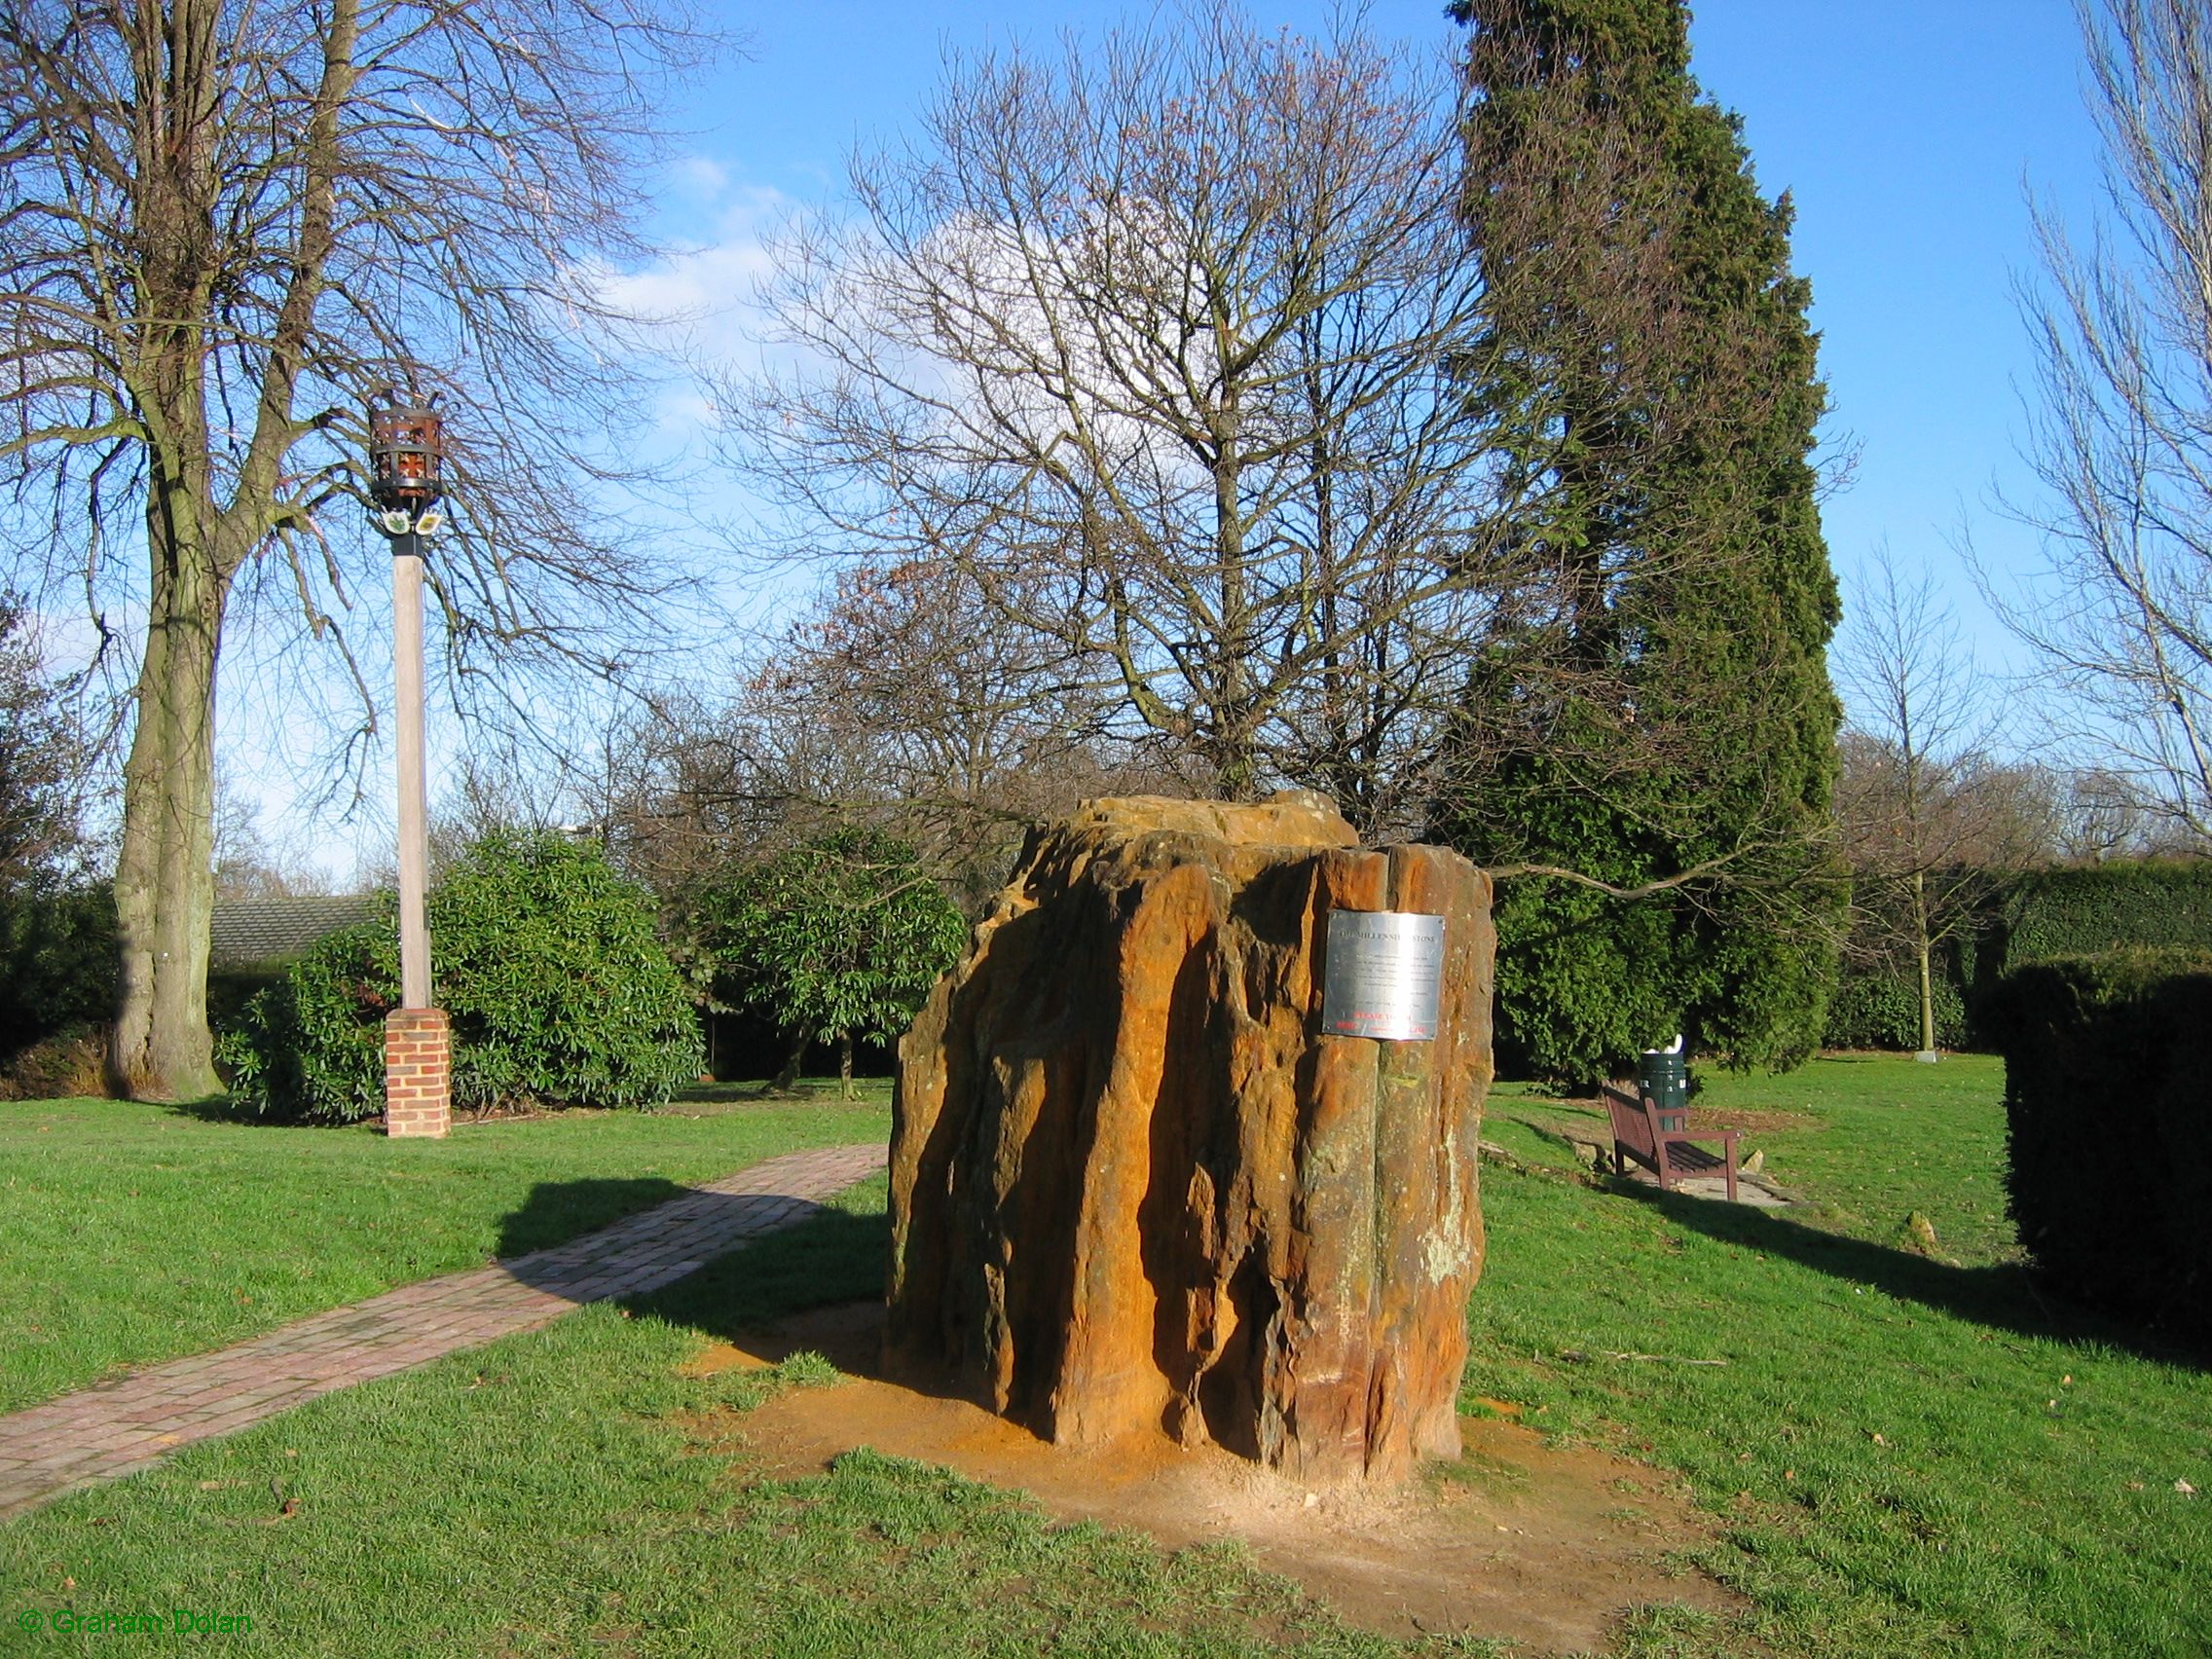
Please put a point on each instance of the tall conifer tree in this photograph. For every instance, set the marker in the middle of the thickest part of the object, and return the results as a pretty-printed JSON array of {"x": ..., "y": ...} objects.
[{"x": 1672, "y": 720}]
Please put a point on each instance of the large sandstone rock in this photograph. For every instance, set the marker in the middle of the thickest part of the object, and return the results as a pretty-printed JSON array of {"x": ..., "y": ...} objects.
[{"x": 1134, "y": 1189}]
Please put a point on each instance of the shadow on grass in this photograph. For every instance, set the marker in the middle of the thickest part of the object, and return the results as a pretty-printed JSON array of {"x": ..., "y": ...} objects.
[
  {"x": 833, "y": 1256},
  {"x": 702, "y": 1260},
  {"x": 223, "y": 1109},
  {"x": 557, "y": 1211},
  {"x": 2003, "y": 1298},
  {"x": 867, "y": 1092}
]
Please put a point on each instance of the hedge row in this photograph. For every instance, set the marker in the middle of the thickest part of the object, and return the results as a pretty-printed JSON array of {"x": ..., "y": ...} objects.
[
  {"x": 2032, "y": 916},
  {"x": 2109, "y": 1114},
  {"x": 2160, "y": 902},
  {"x": 1882, "y": 1011}
]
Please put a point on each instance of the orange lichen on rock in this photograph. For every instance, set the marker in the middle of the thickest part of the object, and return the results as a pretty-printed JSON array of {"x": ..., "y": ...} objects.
[{"x": 1134, "y": 1189}]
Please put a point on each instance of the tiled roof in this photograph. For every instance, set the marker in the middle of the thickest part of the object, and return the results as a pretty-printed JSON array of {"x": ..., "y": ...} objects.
[{"x": 249, "y": 930}]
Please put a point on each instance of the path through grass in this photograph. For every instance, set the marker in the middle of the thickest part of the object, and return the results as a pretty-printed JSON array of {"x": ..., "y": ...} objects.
[
  {"x": 1910, "y": 1457},
  {"x": 132, "y": 1234},
  {"x": 557, "y": 1494}
]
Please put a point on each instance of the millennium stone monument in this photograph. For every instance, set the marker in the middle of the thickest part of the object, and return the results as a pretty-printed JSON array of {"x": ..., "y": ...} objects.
[{"x": 1141, "y": 1182}]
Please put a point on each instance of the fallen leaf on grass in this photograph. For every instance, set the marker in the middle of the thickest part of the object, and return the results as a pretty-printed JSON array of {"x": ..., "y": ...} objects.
[{"x": 2185, "y": 1488}]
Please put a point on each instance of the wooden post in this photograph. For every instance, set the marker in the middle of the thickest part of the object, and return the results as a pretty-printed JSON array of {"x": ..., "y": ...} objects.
[
  {"x": 410, "y": 1063},
  {"x": 414, "y": 811}
]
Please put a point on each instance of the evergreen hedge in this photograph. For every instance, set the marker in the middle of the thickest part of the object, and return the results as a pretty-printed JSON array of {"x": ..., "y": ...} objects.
[
  {"x": 2109, "y": 1116},
  {"x": 544, "y": 958},
  {"x": 2158, "y": 903},
  {"x": 2027, "y": 916},
  {"x": 1882, "y": 1011},
  {"x": 57, "y": 964}
]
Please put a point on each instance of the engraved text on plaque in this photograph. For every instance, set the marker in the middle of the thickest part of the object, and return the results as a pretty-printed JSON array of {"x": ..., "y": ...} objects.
[{"x": 1381, "y": 975}]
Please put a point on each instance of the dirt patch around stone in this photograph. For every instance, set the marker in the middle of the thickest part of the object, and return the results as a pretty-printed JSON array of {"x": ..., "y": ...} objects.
[{"x": 1544, "y": 1547}]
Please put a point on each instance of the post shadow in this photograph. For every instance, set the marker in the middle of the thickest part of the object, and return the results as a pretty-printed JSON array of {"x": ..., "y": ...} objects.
[{"x": 2004, "y": 1297}]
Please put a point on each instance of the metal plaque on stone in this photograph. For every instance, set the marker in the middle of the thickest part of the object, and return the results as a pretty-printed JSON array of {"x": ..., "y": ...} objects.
[{"x": 1381, "y": 975}]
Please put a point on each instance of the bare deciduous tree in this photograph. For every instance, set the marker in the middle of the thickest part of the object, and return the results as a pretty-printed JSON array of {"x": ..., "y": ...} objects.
[
  {"x": 225, "y": 228},
  {"x": 900, "y": 702},
  {"x": 1923, "y": 810},
  {"x": 2123, "y": 438},
  {"x": 966, "y": 726},
  {"x": 1159, "y": 347},
  {"x": 254, "y": 860}
]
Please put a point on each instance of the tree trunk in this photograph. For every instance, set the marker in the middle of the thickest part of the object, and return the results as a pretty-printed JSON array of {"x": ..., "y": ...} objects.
[
  {"x": 801, "y": 1041},
  {"x": 845, "y": 1066},
  {"x": 165, "y": 882},
  {"x": 1927, "y": 977}
]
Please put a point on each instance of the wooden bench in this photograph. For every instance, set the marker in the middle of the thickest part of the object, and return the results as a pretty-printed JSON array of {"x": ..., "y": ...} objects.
[{"x": 1661, "y": 1141}]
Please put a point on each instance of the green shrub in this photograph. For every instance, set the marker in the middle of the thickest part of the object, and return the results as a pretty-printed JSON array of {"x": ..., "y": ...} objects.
[
  {"x": 544, "y": 957},
  {"x": 309, "y": 1048},
  {"x": 1882, "y": 1011},
  {"x": 839, "y": 938},
  {"x": 230, "y": 991},
  {"x": 1584, "y": 983},
  {"x": 56, "y": 963},
  {"x": 2109, "y": 1123}
]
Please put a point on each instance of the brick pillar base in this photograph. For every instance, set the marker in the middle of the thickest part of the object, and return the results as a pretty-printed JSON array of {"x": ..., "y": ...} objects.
[{"x": 418, "y": 1072}]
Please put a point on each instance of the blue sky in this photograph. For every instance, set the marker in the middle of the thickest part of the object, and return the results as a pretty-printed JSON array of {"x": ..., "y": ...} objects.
[{"x": 1907, "y": 134}]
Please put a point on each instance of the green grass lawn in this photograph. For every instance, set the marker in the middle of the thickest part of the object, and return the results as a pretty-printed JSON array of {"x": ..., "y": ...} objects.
[
  {"x": 1868, "y": 1139},
  {"x": 131, "y": 1234},
  {"x": 1907, "y": 1457},
  {"x": 568, "y": 1493},
  {"x": 1913, "y": 1456}
]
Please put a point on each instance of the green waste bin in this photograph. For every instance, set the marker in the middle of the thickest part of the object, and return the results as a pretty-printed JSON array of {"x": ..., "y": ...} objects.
[{"x": 1665, "y": 1077}]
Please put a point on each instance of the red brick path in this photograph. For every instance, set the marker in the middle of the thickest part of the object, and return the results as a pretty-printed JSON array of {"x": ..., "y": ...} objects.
[{"x": 135, "y": 1421}]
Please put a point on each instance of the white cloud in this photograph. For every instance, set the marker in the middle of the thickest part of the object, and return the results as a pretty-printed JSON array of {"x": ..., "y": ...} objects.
[
  {"x": 698, "y": 302},
  {"x": 702, "y": 175},
  {"x": 706, "y": 283}
]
